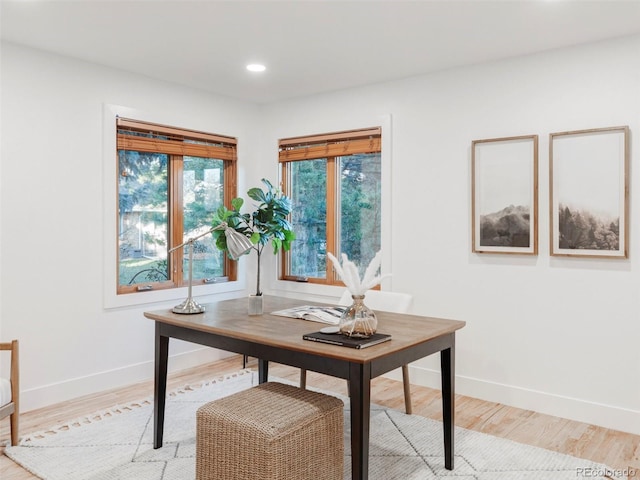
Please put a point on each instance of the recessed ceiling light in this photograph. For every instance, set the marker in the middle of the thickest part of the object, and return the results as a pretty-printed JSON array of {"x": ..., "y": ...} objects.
[{"x": 256, "y": 67}]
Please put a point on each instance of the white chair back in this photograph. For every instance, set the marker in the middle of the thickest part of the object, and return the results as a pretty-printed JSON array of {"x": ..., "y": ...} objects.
[{"x": 382, "y": 300}]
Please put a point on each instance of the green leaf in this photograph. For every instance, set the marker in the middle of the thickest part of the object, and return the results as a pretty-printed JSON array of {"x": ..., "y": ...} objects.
[
  {"x": 277, "y": 244},
  {"x": 237, "y": 203},
  {"x": 221, "y": 242},
  {"x": 257, "y": 194},
  {"x": 222, "y": 213},
  {"x": 255, "y": 238}
]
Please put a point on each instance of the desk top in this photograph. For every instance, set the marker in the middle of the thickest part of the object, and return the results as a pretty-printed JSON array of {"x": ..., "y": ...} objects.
[{"x": 229, "y": 318}]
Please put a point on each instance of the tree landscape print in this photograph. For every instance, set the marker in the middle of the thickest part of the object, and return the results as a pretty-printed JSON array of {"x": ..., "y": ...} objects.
[
  {"x": 504, "y": 195},
  {"x": 588, "y": 193},
  {"x": 578, "y": 228}
]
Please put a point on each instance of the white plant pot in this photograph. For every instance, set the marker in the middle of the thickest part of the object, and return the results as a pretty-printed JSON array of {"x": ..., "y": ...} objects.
[{"x": 255, "y": 304}]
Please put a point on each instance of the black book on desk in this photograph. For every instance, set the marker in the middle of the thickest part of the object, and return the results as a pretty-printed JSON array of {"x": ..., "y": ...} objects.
[{"x": 344, "y": 341}]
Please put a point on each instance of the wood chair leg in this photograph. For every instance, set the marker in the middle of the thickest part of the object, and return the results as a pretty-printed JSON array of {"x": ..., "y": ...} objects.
[
  {"x": 13, "y": 419},
  {"x": 303, "y": 378},
  {"x": 407, "y": 389}
]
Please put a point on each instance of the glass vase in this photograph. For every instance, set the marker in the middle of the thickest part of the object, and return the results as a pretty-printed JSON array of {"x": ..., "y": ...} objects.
[{"x": 358, "y": 320}]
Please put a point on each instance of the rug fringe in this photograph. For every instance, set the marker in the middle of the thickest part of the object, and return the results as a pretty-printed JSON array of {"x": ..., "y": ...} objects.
[
  {"x": 123, "y": 408},
  {"x": 206, "y": 383}
]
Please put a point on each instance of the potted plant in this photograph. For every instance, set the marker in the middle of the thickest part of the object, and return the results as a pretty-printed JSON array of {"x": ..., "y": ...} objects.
[{"x": 268, "y": 222}]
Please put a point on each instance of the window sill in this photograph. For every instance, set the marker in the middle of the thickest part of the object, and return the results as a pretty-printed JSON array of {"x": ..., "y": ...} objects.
[{"x": 174, "y": 294}]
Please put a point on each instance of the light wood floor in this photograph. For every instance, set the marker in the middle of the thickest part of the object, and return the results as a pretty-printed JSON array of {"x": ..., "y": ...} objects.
[{"x": 616, "y": 449}]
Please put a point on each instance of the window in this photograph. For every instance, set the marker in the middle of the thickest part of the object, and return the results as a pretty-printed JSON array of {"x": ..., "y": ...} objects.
[
  {"x": 170, "y": 182},
  {"x": 334, "y": 181}
]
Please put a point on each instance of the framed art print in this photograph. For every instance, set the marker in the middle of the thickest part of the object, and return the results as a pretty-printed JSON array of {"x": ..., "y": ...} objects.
[
  {"x": 505, "y": 195},
  {"x": 589, "y": 192}
]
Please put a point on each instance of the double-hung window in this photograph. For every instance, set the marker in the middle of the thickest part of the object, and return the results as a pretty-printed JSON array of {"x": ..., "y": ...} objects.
[
  {"x": 170, "y": 182},
  {"x": 334, "y": 181}
]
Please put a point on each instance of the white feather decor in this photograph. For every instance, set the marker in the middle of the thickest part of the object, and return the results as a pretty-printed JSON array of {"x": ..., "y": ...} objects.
[{"x": 349, "y": 274}]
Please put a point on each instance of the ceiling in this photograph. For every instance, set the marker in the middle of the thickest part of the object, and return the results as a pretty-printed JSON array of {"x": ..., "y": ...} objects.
[{"x": 309, "y": 47}]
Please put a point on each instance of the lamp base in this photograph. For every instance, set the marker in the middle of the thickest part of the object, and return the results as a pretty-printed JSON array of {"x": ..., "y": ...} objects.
[{"x": 188, "y": 307}]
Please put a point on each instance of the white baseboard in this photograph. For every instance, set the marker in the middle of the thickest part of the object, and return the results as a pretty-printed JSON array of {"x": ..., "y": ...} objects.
[
  {"x": 607, "y": 416},
  {"x": 50, "y": 394}
]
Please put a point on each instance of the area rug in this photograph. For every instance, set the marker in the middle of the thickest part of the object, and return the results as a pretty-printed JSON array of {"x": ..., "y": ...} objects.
[{"x": 117, "y": 444}]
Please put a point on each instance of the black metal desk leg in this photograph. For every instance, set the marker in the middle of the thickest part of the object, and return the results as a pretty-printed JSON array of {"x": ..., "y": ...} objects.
[
  {"x": 263, "y": 371},
  {"x": 447, "y": 362},
  {"x": 360, "y": 400},
  {"x": 160, "y": 386}
]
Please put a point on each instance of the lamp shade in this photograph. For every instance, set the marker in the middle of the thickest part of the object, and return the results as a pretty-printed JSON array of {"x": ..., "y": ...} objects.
[{"x": 237, "y": 243}]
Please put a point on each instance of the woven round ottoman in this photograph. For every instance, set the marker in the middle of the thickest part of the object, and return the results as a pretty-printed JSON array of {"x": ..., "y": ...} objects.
[{"x": 271, "y": 432}]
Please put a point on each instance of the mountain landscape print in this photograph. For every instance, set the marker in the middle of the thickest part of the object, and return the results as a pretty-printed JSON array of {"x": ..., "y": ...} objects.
[
  {"x": 504, "y": 194},
  {"x": 509, "y": 227}
]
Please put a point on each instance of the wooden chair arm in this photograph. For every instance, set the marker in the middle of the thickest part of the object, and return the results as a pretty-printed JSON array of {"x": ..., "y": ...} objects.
[{"x": 15, "y": 368}]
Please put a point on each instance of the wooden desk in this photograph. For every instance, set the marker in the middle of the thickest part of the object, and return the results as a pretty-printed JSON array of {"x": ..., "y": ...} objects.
[{"x": 227, "y": 326}]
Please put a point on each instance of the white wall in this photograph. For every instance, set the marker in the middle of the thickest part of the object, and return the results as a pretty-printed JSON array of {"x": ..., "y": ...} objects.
[
  {"x": 57, "y": 230},
  {"x": 554, "y": 335}
]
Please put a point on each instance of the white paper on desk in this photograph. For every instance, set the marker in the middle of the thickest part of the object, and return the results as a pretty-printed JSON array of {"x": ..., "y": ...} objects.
[{"x": 314, "y": 313}]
